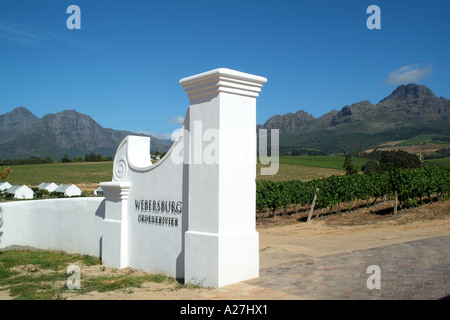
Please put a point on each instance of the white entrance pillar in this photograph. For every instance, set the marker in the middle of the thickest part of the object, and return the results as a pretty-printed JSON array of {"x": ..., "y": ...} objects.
[
  {"x": 115, "y": 226},
  {"x": 221, "y": 244}
]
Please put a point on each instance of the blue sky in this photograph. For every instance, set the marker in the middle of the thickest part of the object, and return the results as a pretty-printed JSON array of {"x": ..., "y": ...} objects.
[{"x": 124, "y": 65}]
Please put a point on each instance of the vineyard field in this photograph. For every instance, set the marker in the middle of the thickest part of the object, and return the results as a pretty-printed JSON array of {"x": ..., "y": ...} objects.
[{"x": 410, "y": 186}]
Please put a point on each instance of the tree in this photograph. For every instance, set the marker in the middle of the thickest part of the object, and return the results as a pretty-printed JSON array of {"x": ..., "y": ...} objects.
[
  {"x": 370, "y": 167},
  {"x": 399, "y": 159},
  {"x": 65, "y": 159},
  {"x": 391, "y": 160},
  {"x": 349, "y": 166},
  {"x": 94, "y": 157},
  {"x": 5, "y": 173}
]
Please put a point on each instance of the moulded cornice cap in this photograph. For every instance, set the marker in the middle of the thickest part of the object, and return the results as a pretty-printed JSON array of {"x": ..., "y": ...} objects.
[
  {"x": 225, "y": 72},
  {"x": 223, "y": 80},
  {"x": 115, "y": 191}
]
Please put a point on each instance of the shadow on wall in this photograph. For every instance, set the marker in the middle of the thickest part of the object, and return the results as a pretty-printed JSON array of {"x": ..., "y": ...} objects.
[
  {"x": 1, "y": 224},
  {"x": 100, "y": 213},
  {"x": 100, "y": 210}
]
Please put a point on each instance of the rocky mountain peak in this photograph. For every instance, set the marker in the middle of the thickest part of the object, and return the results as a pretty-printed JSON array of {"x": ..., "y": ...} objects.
[
  {"x": 16, "y": 120},
  {"x": 410, "y": 91},
  {"x": 290, "y": 121},
  {"x": 22, "y": 111},
  {"x": 69, "y": 118}
]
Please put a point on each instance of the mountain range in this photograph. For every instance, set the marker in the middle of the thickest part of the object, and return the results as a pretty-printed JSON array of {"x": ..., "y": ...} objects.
[
  {"x": 23, "y": 135},
  {"x": 409, "y": 111}
]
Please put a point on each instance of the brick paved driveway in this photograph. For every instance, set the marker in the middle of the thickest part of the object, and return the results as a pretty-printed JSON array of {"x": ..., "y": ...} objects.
[{"x": 411, "y": 270}]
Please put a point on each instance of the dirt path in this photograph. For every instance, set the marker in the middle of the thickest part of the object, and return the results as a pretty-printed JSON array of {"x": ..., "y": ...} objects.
[
  {"x": 284, "y": 239},
  {"x": 290, "y": 242}
]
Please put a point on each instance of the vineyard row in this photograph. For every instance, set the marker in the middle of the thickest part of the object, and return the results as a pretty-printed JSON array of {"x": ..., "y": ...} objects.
[{"x": 409, "y": 185}]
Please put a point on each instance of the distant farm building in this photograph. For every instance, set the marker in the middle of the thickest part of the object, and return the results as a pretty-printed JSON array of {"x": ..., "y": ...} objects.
[
  {"x": 4, "y": 186},
  {"x": 49, "y": 186},
  {"x": 20, "y": 192},
  {"x": 68, "y": 190}
]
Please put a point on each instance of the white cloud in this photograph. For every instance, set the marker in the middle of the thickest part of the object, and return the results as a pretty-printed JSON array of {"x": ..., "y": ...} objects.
[
  {"x": 177, "y": 120},
  {"x": 408, "y": 74},
  {"x": 160, "y": 136},
  {"x": 163, "y": 136}
]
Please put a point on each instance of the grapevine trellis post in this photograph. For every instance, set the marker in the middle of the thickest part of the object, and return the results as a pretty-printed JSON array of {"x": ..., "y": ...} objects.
[
  {"x": 395, "y": 202},
  {"x": 312, "y": 205}
]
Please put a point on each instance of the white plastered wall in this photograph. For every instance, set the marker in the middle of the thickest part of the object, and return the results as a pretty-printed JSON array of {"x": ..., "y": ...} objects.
[{"x": 71, "y": 225}]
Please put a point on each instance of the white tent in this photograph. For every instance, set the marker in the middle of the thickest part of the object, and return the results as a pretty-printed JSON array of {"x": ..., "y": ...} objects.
[
  {"x": 4, "y": 186},
  {"x": 49, "y": 186},
  {"x": 68, "y": 190},
  {"x": 20, "y": 192}
]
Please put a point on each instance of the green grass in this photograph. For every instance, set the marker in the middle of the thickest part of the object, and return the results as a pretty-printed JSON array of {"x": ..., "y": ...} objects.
[
  {"x": 111, "y": 283},
  {"x": 41, "y": 275},
  {"x": 331, "y": 162},
  {"x": 54, "y": 260},
  {"x": 306, "y": 168},
  {"x": 60, "y": 173}
]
